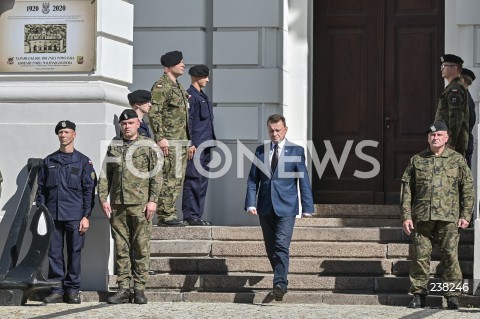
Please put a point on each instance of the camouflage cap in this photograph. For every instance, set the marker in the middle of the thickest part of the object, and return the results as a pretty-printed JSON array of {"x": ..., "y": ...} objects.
[
  {"x": 127, "y": 114},
  {"x": 437, "y": 126},
  {"x": 64, "y": 124}
]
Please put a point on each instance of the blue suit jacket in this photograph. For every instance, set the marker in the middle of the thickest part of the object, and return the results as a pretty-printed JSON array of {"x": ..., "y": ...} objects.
[{"x": 278, "y": 192}]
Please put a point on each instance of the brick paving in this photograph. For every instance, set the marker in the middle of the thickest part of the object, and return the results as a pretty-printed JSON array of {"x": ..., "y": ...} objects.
[{"x": 187, "y": 310}]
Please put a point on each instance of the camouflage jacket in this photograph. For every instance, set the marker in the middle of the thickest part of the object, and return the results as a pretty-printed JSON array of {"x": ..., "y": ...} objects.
[
  {"x": 453, "y": 110},
  {"x": 169, "y": 112},
  {"x": 131, "y": 172},
  {"x": 437, "y": 188}
]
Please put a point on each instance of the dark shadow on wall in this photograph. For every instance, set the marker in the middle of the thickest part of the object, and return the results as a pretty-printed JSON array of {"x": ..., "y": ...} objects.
[
  {"x": 11, "y": 205},
  {"x": 117, "y": 126},
  {"x": 6, "y": 5}
]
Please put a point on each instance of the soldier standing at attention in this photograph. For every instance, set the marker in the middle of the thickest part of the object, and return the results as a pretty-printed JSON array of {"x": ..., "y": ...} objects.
[
  {"x": 66, "y": 186},
  {"x": 132, "y": 176},
  {"x": 140, "y": 102},
  {"x": 169, "y": 122},
  {"x": 436, "y": 200},
  {"x": 203, "y": 134},
  {"x": 453, "y": 104},
  {"x": 467, "y": 78}
]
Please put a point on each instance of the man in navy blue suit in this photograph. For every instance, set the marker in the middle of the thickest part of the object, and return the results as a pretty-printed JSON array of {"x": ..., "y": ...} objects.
[
  {"x": 200, "y": 122},
  {"x": 277, "y": 171}
]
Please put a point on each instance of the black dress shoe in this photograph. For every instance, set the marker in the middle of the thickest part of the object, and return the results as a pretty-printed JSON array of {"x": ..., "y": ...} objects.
[
  {"x": 418, "y": 301},
  {"x": 73, "y": 298},
  {"x": 139, "y": 297},
  {"x": 198, "y": 222},
  {"x": 452, "y": 303},
  {"x": 53, "y": 298},
  {"x": 171, "y": 223},
  {"x": 278, "y": 292}
]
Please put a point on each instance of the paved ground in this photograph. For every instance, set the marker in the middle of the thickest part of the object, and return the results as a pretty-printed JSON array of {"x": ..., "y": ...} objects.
[{"x": 180, "y": 310}]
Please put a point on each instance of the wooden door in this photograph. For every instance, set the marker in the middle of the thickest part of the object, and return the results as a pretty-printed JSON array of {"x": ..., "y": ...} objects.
[
  {"x": 414, "y": 41},
  {"x": 375, "y": 81}
]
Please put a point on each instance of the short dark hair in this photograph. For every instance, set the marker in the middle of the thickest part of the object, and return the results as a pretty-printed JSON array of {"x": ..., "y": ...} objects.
[{"x": 275, "y": 118}]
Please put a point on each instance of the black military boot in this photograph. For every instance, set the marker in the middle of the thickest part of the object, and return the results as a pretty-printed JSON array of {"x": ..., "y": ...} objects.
[
  {"x": 122, "y": 296},
  {"x": 139, "y": 297},
  {"x": 73, "y": 298},
  {"x": 53, "y": 298},
  {"x": 452, "y": 303},
  {"x": 418, "y": 301}
]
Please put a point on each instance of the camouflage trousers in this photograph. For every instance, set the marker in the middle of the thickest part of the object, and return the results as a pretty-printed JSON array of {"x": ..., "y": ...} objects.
[
  {"x": 425, "y": 235},
  {"x": 174, "y": 166},
  {"x": 131, "y": 233}
]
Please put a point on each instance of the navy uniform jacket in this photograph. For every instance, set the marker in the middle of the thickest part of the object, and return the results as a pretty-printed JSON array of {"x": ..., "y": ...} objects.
[
  {"x": 67, "y": 188},
  {"x": 471, "y": 124},
  {"x": 200, "y": 117},
  {"x": 143, "y": 129},
  {"x": 278, "y": 190}
]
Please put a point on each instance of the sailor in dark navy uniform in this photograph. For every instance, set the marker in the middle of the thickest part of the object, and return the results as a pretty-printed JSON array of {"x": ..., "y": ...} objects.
[
  {"x": 66, "y": 186},
  {"x": 202, "y": 133},
  {"x": 140, "y": 102}
]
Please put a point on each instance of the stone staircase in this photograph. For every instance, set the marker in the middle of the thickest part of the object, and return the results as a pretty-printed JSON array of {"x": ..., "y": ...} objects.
[{"x": 346, "y": 254}]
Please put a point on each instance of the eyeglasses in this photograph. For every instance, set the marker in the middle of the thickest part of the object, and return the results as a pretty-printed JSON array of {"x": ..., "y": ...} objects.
[{"x": 443, "y": 66}]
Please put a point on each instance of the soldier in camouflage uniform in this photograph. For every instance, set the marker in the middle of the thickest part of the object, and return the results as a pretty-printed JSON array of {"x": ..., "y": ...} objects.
[
  {"x": 453, "y": 104},
  {"x": 169, "y": 122},
  {"x": 132, "y": 176},
  {"x": 436, "y": 199}
]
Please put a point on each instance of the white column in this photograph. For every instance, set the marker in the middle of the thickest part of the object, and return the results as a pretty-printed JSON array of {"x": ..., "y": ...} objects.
[{"x": 32, "y": 104}]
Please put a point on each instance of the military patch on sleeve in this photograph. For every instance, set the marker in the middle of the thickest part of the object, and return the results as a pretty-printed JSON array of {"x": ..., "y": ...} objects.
[
  {"x": 454, "y": 100},
  {"x": 93, "y": 175},
  {"x": 454, "y": 90}
]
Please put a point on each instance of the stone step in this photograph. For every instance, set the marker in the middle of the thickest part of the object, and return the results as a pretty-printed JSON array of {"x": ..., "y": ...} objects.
[
  {"x": 231, "y": 282},
  {"x": 465, "y": 251},
  {"x": 348, "y": 222},
  {"x": 257, "y": 248},
  {"x": 330, "y": 250},
  {"x": 319, "y": 266},
  {"x": 309, "y": 297},
  {"x": 301, "y": 233},
  {"x": 356, "y": 211}
]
